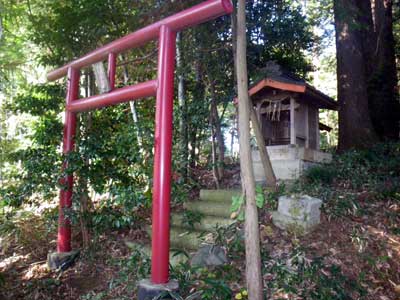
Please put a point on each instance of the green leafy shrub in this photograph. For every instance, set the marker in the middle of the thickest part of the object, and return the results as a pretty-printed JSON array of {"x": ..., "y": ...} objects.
[
  {"x": 203, "y": 283},
  {"x": 320, "y": 174},
  {"x": 374, "y": 172},
  {"x": 191, "y": 218}
]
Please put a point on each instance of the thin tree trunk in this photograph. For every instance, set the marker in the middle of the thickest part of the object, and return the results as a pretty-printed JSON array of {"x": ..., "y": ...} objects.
[
  {"x": 216, "y": 122},
  {"x": 355, "y": 126},
  {"x": 85, "y": 203},
  {"x": 252, "y": 234},
  {"x": 214, "y": 159},
  {"x": 193, "y": 141},
  {"x": 183, "y": 132},
  {"x": 268, "y": 170},
  {"x": 132, "y": 106},
  {"x": 192, "y": 129}
]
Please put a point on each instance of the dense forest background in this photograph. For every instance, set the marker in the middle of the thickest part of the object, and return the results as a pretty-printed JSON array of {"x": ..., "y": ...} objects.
[
  {"x": 348, "y": 49},
  {"x": 37, "y": 36},
  {"x": 114, "y": 145}
]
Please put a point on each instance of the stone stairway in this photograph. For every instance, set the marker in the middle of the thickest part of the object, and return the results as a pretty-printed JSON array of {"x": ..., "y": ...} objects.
[{"x": 212, "y": 209}]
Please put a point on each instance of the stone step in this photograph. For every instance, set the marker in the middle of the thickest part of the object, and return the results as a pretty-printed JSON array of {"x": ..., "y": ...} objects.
[
  {"x": 182, "y": 239},
  {"x": 209, "y": 208},
  {"x": 175, "y": 257},
  {"x": 207, "y": 223},
  {"x": 219, "y": 195}
]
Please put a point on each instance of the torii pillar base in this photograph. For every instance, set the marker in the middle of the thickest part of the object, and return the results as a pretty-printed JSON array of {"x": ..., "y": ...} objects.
[
  {"x": 62, "y": 260},
  {"x": 148, "y": 290}
]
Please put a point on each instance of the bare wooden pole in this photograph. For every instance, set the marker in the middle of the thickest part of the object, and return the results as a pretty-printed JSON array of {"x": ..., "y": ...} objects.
[
  {"x": 266, "y": 162},
  {"x": 252, "y": 234}
]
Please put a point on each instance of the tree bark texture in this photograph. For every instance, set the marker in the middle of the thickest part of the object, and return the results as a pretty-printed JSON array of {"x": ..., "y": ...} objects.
[
  {"x": 216, "y": 124},
  {"x": 132, "y": 106},
  {"x": 198, "y": 95},
  {"x": 252, "y": 234},
  {"x": 183, "y": 132},
  {"x": 382, "y": 80},
  {"x": 214, "y": 159},
  {"x": 355, "y": 126}
]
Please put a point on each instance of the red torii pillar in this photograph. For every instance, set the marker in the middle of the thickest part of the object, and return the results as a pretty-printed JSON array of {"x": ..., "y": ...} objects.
[
  {"x": 162, "y": 157},
  {"x": 64, "y": 224}
]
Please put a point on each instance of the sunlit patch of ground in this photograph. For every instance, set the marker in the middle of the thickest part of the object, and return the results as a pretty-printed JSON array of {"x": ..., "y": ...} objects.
[{"x": 23, "y": 262}]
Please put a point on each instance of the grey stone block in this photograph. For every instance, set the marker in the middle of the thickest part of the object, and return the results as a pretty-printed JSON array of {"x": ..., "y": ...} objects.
[
  {"x": 209, "y": 255},
  {"x": 300, "y": 208},
  {"x": 62, "y": 260},
  {"x": 300, "y": 214}
]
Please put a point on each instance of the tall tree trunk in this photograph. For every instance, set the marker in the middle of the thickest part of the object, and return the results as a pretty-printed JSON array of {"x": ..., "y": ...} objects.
[
  {"x": 183, "y": 132},
  {"x": 382, "y": 81},
  {"x": 216, "y": 123},
  {"x": 252, "y": 233},
  {"x": 198, "y": 96},
  {"x": 355, "y": 126}
]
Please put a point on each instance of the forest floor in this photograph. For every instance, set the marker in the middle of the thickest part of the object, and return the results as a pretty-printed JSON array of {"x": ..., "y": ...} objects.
[
  {"x": 353, "y": 254},
  {"x": 364, "y": 251}
]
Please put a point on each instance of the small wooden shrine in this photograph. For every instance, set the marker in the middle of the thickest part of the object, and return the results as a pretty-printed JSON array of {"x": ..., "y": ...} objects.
[{"x": 288, "y": 110}]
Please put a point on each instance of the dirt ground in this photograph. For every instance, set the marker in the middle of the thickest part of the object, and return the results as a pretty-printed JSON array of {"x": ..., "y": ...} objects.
[{"x": 361, "y": 247}]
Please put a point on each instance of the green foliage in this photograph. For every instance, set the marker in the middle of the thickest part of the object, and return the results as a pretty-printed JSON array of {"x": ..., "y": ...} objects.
[
  {"x": 191, "y": 218},
  {"x": 39, "y": 163},
  {"x": 94, "y": 296},
  {"x": 39, "y": 100},
  {"x": 132, "y": 268},
  {"x": 109, "y": 158},
  {"x": 374, "y": 172},
  {"x": 14, "y": 48},
  {"x": 237, "y": 207},
  {"x": 209, "y": 283},
  {"x": 320, "y": 174},
  {"x": 232, "y": 239},
  {"x": 278, "y": 31},
  {"x": 238, "y": 202},
  {"x": 136, "y": 267},
  {"x": 271, "y": 198},
  {"x": 260, "y": 200}
]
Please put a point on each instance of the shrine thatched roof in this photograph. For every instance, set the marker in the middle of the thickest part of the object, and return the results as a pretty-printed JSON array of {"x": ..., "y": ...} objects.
[{"x": 279, "y": 81}]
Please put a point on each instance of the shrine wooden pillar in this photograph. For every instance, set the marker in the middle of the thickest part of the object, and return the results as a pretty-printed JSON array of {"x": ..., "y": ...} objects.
[{"x": 292, "y": 121}]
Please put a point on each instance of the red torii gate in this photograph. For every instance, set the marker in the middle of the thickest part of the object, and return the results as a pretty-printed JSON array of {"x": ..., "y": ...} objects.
[{"x": 163, "y": 88}]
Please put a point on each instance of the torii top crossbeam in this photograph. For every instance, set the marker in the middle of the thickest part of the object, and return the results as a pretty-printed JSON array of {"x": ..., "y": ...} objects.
[{"x": 163, "y": 88}]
